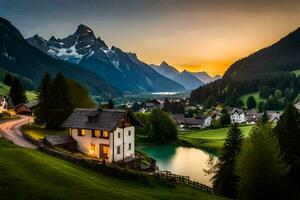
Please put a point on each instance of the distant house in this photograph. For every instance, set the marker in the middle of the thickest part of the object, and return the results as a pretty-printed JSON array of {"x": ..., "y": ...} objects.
[
  {"x": 273, "y": 116},
  {"x": 26, "y": 108},
  {"x": 252, "y": 116},
  {"x": 237, "y": 116},
  {"x": 150, "y": 105},
  {"x": 191, "y": 122},
  {"x": 105, "y": 134}
]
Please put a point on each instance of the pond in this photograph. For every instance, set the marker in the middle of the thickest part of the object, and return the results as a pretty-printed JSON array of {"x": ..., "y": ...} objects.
[{"x": 185, "y": 161}]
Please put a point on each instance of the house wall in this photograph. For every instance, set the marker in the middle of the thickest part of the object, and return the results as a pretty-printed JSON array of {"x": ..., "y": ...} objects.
[
  {"x": 237, "y": 118},
  {"x": 85, "y": 142},
  {"x": 118, "y": 142}
]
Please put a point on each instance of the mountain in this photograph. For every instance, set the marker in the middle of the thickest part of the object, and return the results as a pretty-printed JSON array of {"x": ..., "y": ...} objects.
[
  {"x": 268, "y": 66},
  {"x": 188, "y": 80},
  {"x": 205, "y": 78},
  {"x": 19, "y": 57},
  {"x": 121, "y": 69},
  {"x": 166, "y": 70}
]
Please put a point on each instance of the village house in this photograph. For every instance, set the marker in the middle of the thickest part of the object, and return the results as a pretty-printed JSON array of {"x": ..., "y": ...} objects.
[
  {"x": 237, "y": 115},
  {"x": 252, "y": 116},
  {"x": 191, "y": 122},
  {"x": 106, "y": 134},
  {"x": 4, "y": 105},
  {"x": 274, "y": 116},
  {"x": 26, "y": 108}
]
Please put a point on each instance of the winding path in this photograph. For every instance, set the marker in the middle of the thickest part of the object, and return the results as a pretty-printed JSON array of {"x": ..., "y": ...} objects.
[{"x": 11, "y": 131}]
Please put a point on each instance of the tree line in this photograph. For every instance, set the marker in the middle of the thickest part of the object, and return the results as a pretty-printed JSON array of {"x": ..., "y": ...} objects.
[{"x": 263, "y": 166}]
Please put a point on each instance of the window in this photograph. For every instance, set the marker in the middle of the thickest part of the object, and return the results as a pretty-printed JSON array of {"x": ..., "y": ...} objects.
[
  {"x": 118, "y": 150},
  {"x": 129, "y": 133},
  {"x": 129, "y": 146},
  {"x": 105, "y": 134},
  {"x": 93, "y": 149},
  {"x": 93, "y": 133},
  {"x": 119, "y": 135},
  {"x": 81, "y": 132}
]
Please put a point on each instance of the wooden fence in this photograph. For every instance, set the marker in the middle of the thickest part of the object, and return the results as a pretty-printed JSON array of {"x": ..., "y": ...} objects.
[{"x": 183, "y": 180}]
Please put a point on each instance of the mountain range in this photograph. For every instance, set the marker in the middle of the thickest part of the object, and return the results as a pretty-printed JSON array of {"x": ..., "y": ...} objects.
[
  {"x": 21, "y": 58},
  {"x": 190, "y": 80},
  {"x": 122, "y": 70}
]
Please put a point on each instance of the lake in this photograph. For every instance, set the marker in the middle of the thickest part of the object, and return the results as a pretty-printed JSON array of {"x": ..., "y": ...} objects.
[{"x": 186, "y": 161}]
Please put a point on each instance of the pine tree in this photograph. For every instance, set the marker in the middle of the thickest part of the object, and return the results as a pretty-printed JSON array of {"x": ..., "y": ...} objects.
[
  {"x": 225, "y": 180},
  {"x": 264, "y": 119},
  {"x": 60, "y": 106},
  {"x": 288, "y": 132},
  {"x": 260, "y": 167},
  {"x": 42, "y": 112},
  {"x": 251, "y": 103},
  {"x": 8, "y": 79},
  {"x": 225, "y": 118},
  {"x": 17, "y": 93}
]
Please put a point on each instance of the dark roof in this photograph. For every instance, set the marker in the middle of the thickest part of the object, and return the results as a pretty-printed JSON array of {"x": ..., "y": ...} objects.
[
  {"x": 106, "y": 119},
  {"x": 187, "y": 121},
  {"x": 237, "y": 110},
  {"x": 29, "y": 105},
  {"x": 59, "y": 139}
]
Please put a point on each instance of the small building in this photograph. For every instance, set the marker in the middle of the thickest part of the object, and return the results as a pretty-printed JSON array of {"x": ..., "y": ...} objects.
[
  {"x": 252, "y": 116},
  {"x": 106, "y": 134},
  {"x": 274, "y": 116},
  {"x": 191, "y": 122},
  {"x": 26, "y": 108},
  {"x": 237, "y": 115}
]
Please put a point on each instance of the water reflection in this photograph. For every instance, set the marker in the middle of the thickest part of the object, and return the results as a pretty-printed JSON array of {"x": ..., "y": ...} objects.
[{"x": 181, "y": 160}]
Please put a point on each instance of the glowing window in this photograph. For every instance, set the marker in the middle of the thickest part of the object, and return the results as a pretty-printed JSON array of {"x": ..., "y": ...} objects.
[
  {"x": 81, "y": 132},
  {"x": 105, "y": 134}
]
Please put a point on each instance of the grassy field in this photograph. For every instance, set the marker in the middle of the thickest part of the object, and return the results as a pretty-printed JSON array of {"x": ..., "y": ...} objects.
[
  {"x": 38, "y": 132},
  {"x": 30, "y": 174},
  {"x": 212, "y": 139},
  {"x": 296, "y": 72},
  {"x": 255, "y": 95},
  {"x": 4, "y": 90}
]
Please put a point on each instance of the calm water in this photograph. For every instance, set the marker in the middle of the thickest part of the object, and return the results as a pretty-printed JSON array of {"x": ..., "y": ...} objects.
[{"x": 180, "y": 160}]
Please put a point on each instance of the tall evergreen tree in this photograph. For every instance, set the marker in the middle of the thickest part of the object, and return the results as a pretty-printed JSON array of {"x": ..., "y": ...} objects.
[
  {"x": 8, "y": 79},
  {"x": 264, "y": 119},
  {"x": 225, "y": 118},
  {"x": 225, "y": 179},
  {"x": 260, "y": 167},
  {"x": 60, "y": 106},
  {"x": 288, "y": 132},
  {"x": 251, "y": 103},
  {"x": 42, "y": 112},
  {"x": 17, "y": 93}
]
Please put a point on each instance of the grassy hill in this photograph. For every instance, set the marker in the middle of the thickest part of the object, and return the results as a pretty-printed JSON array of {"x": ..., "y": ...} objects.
[
  {"x": 30, "y": 174},
  {"x": 212, "y": 139},
  {"x": 4, "y": 90}
]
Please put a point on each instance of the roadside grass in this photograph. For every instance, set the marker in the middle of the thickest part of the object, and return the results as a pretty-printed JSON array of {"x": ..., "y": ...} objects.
[
  {"x": 211, "y": 140},
  {"x": 256, "y": 97},
  {"x": 30, "y": 174},
  {"x": 39, "y": 132}
]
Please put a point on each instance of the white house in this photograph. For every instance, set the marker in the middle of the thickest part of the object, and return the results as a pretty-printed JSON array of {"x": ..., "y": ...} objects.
[
  {"x": 4, "y": 105},
  {"x": 237, "y": 116},
  {"x": 106, "y": 134}
]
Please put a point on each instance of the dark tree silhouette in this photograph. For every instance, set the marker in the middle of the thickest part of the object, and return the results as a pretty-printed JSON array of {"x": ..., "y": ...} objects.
[{"x": 17, "y": 93}]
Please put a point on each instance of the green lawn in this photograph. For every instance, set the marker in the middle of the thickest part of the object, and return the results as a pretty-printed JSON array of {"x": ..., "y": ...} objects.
[
  {"x": 212, "y": 139},
  {"x": 296, "y": 72},
  {"x": 254, "y": 94},
  {"x": 38, "y": 132},
  {"x": 30, "y": 174}
]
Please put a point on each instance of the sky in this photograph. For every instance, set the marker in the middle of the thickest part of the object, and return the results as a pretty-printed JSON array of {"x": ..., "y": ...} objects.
[{"x": 196, "y": 35}]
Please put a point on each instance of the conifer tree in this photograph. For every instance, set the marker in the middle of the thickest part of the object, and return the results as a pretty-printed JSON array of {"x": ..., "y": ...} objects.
[
  {"x": 42, "y": 112},
  {"x": 260, "y": 167},
  {"x": 17, "y": 93},
  {"x": 8, "y": 79},
  {"x": 288, "y": 132},
  {"x": 251, "y": 103},
  {"x": 60, "y": 106},
  {"x": 225, "y": 179},
  {"x": 225, "y": 118}
]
